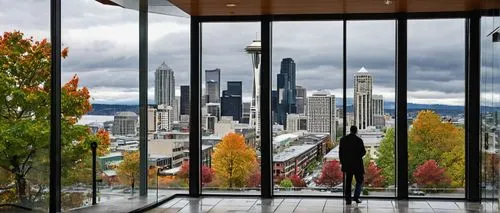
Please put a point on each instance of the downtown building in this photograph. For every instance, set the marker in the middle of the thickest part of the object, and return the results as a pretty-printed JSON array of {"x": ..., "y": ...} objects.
[
  {"x": 286, "y": 90},
  {"x": 321, "y": 113},
  {"x": 125, "y": 123},
  {"x": 301, "y": 99},
  {"x": 184, "y": 108},
  {"x": 212, "y": 83},
  {"x": 363, "y": 104},
  {"x": 231, "y": 100},
  {"x": 164, "y": 85}
]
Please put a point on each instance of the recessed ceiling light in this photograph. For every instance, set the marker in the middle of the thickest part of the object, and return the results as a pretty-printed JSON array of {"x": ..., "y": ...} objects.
[
  {"x": 387, "y": 2},
  {"x": 230, "y": 5}
]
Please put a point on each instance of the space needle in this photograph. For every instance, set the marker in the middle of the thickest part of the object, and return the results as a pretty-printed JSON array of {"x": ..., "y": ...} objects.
[{"x": 254, "y": 49}]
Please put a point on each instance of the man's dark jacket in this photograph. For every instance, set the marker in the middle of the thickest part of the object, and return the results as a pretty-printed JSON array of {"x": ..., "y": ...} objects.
[{"x": 351, "y": 152}]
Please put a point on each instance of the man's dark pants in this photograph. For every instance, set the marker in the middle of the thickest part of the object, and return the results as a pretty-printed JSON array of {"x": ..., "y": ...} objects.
[{"x": 348, "y": 182}]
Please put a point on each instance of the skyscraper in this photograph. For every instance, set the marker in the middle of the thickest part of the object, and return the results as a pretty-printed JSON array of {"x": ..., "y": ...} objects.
[
  {"x": 165, "y": 115},
  {"x": 300, "y": 101},
  {"x": 231, "y": 100},
  {"x": 212, "y": 83},
  {"x": 286, "y": 90},
  {"x": 184, "y": 100},
  {"x": 164, "y": 85},
  {"x": 363, "y": 104},
  {"x": 321, "y": 111},
  {"x": 254, "y": 49}
]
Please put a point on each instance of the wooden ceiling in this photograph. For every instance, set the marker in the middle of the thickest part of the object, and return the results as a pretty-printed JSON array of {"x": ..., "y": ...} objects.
[{"x": 287, "y": 7}]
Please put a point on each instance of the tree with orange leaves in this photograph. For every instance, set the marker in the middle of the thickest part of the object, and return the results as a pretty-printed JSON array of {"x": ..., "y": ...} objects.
[
  {"x": 128, "y": 170},
  {"x": 232, "y": 160},
  {"x": 25, "y": 73}
]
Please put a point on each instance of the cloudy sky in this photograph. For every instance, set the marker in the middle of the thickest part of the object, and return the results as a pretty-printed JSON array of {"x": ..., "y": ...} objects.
[{"x": 103, "y": 43}]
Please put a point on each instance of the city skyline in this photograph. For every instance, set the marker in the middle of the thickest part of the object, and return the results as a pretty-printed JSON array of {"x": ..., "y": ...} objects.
[{"x": 99, "y": 55}]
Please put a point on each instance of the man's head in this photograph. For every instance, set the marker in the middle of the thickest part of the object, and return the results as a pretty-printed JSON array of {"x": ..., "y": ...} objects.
[{"x": 354, "y": 129}]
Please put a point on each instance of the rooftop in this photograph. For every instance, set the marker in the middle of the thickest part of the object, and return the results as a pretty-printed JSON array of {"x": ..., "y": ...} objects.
[{"x": 291, "y": 152}]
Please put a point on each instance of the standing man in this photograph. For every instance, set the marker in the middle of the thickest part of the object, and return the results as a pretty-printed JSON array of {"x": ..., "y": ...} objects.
[{"x": 351, "y": 152}]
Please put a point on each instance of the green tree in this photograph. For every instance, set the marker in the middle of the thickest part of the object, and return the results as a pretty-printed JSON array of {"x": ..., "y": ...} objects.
[
  {"x": 386, "y": 157},
  {"x": 128, "y": 170},
  {"x": 25, "y": 119},
  {"x": 286, "y": 183}
]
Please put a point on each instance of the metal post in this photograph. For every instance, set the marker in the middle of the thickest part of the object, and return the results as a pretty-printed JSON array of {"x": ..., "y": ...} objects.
[
  {"x": 143, "y": 97},
  {"x": 93, "y": 145},
  {"x": 472, "y": 107},
  {"x": 194, "y": 110},
  {"x": 265, "y": 109},
  {"x": 401, "y": 145},
  {"x": 344, "y": 79},
  {"x": 55, "y": 108}
]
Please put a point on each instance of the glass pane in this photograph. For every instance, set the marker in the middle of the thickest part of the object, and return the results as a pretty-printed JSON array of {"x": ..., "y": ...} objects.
[
  {"x": 100, "y": 102},
  {"x": 25, "y": 73},
  {"x": 230, "y": 121},
  {"x": 307, "y": 109},
  {"x": 436, "y": 98},
  {"x": 490, "y": 104},
  {"x": 168, "y": 112},
  {"x": 371, "y": 93}
]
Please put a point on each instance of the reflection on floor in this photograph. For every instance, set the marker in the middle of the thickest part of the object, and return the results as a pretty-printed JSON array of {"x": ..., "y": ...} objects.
[{"x": 306, "y": 205}]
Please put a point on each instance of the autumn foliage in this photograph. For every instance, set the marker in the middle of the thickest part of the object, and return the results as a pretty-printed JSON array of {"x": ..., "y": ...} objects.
[
  {"x": 128, "y": 170},
  {"x": 25, "y": 82},
  {"x": 331, "y": 175},
  {"x": 373, "y": 175},
  {"x": 430, "y": 174},
  {"x": 297, "y": 181},
  {"x": 232, "y": 159},
  {"x": 207, "y": 174}
]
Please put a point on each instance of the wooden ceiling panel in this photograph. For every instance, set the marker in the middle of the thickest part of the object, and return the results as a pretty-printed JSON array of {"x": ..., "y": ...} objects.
[{"x": 283, "y": 7}]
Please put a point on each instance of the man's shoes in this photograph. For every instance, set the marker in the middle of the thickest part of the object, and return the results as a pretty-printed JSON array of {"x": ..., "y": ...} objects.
[
  {"x": 358, "y": 201},
  {"x": 347, "y": 202}
]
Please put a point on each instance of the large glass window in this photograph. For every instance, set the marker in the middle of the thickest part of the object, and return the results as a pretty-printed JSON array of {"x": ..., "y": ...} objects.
[
  {"x": 25, "y": 100},
  {"x": 307, "y": 107},
  {"x": 490, "y": 97},
  {"x": 230, "y": 108},
  {"x": 371, "y": 95},
  {"x": 168, "y": 111},
  {"x": 99, "y": 102},
  {"x": 436, "y": 98}
]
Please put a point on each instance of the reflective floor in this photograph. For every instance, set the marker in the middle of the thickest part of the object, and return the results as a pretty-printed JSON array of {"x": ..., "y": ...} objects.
[{"x": 213, "y": 204}]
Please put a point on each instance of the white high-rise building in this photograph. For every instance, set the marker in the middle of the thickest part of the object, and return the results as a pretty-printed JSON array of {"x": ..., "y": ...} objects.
[
  {"x": 254, "y": 49},
  {"x": 164, "y": 85},
  {"x": 165, "y": 116},
  {"x": 363, "y": 109},
  {"x": 125, "y": 123},
  {"x": 176, "y": 108},
  {"x": 321, "y": 112}
]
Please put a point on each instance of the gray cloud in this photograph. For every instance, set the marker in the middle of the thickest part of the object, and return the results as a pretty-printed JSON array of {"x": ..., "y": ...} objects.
[{"x": 103, "y": 43}]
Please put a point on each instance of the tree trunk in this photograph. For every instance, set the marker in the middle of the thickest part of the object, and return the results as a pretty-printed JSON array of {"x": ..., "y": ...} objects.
[{"x": 21, "y": 188}]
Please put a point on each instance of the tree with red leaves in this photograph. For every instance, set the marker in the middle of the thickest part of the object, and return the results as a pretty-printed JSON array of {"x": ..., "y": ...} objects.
[
  {"x": 297, "y": 181},
  {"x": 429, "y": 174},
  {"x": 207, "y": 173},
  {"x": 254, "y": 178},
  {"x": 373, "y": 175},
  {"x": 331, "y": 175}
]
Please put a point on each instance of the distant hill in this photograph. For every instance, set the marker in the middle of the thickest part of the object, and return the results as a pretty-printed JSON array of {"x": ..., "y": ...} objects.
[{"x": 112, "y": 109}]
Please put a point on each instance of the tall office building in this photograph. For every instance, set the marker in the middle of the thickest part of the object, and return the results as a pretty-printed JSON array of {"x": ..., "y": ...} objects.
[
  {"x": 212, "y": 83},
  {"x": 125, "y": 123},
  {"x": 321, "y": 111},
  {"x": 254, "y": 49},
  {"x": 296, "y": 122},
  {"x": 213, "y": 109},
  {"x": 274, "y": 105},
  {"x": 164, "y": 85},
  {"x": 231, "y": 100},
  {"x": 378, "y": 111},
  {"x": 300, "y": 99},
  {"x": 184, "y": 100},
  {"x": 363, "y": 104},
  {"x": 176, "y": 109},
  {"x": 286, "y": 90}
]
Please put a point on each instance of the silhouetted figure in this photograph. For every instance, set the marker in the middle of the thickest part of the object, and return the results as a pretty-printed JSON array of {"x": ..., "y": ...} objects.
[{"x": 351, "y": 152}]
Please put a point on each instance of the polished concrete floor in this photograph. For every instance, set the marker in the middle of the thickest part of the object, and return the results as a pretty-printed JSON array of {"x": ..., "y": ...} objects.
[{"x": 306, "y": 205}]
